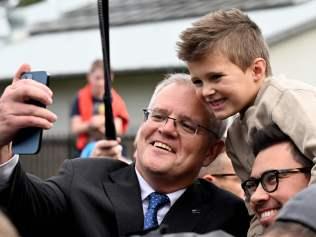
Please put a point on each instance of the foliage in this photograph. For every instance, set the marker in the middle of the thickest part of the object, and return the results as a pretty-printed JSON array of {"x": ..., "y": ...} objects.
[{"x": 24, "y": 3}]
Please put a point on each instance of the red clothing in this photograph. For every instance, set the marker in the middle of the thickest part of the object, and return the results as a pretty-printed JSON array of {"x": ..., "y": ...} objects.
[{"x": 85, "y": 103}]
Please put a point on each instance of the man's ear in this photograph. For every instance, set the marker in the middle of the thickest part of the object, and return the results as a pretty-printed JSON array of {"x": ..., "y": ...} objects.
[
  {"x": 208, "y": 178},
  {"x": 259, "y": 69},
  {"x": 213, "y": 151}
]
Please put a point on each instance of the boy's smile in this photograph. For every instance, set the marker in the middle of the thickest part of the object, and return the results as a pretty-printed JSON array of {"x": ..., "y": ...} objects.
[
  {"x": 216, "y": 104},
  {"x": 223, "y": 86}
]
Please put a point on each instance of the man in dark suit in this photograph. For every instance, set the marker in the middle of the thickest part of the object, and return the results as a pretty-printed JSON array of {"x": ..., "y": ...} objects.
[{"x": 101, "y": 197}]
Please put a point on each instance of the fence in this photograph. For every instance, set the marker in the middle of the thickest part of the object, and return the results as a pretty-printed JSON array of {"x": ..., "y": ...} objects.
[{"x": 55, "y": 149}]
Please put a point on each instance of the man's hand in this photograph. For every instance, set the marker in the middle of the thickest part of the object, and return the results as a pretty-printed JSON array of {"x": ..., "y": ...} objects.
[{"x": 16, "y": 114}]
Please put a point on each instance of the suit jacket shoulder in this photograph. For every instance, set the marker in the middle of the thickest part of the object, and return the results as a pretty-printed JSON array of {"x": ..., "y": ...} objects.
[
  {"x": 87, "y": 198},
  {"x": 204, "y": 208}
]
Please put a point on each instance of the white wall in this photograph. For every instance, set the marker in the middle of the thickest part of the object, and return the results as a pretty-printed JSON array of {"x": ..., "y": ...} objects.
[
  {"x": 135, "y": 90},
  {"x": 296, "y": 57}
]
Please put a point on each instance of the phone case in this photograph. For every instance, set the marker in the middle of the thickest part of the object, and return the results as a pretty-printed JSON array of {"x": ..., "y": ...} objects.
[{"x": 28, "y": 140}]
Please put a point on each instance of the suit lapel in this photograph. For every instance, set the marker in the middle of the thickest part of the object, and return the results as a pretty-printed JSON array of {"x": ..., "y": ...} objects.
[
  {"x": 185, "y": 214},
  {"x": 124, "y": 193}
]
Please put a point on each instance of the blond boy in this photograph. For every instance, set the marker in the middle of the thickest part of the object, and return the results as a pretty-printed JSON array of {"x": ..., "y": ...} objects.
[{"x": 228, "y": 60}]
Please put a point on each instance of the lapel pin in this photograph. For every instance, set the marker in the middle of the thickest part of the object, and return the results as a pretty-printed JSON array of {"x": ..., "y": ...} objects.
[{"x": 196, "y": 211}]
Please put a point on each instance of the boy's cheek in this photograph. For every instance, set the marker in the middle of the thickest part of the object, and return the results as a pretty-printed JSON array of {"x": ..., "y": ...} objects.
[
  {"x": 200, "y": 96},
  {"x": 199, "y": 93}
]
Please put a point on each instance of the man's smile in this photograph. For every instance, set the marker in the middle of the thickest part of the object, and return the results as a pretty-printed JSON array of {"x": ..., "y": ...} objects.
[{"x": 163, "y": 146}]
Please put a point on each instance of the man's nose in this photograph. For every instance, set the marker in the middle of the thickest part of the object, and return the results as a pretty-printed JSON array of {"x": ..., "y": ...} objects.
[
  {"x": 259, "y": 195},
  {"x": 169, "y": 126}
]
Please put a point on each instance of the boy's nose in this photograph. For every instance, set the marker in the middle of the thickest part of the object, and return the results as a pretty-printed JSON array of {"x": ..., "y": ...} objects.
[{"x": 208, "y": 90}]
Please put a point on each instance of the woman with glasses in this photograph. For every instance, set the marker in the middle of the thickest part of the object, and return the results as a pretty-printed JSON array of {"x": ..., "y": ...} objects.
[{"x": 279, "y": 171}]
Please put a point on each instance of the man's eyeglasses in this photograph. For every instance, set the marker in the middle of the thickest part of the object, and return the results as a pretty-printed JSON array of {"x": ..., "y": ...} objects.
[
  {"x": 269, "y": 180},
  {"x": 186, "y": 126}
]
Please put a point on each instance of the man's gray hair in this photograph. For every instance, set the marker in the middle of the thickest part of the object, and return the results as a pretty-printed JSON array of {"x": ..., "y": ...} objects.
[{"x": 217, "y": 126}]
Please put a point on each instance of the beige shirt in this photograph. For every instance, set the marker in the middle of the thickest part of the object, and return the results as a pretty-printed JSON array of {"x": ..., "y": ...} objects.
[{"x": 289, "y": 104}]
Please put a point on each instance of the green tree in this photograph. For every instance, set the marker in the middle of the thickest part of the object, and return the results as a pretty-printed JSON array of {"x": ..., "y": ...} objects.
[{"x": 24, "y": 3}]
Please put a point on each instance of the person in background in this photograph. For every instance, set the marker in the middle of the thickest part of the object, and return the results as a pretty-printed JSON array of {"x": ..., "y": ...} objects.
[
  {"x": 279, "y": 171},
  {"x": 221, "y": 173},
  {"x": 216, "y": 233},
  {"x": 87, "y": 110},
  {"x": 113, "y": 149},
  {"x": 297, "y": 217}
]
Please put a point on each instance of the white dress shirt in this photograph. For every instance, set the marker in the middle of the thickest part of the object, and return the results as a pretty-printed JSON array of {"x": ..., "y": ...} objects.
[
  {"x": 6, "y": 170},
  {"x": 146, "y": 190}
]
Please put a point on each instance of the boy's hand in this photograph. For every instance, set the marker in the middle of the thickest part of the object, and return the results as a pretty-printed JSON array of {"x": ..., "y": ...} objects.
[{"x": 16, "y": 114}]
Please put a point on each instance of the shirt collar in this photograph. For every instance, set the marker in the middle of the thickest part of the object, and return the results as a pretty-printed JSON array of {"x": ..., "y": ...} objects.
[{"x": 146, "y": 190}]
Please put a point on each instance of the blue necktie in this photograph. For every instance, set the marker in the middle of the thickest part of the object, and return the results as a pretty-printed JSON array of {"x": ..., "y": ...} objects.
[{"x": 156, "y": 201}]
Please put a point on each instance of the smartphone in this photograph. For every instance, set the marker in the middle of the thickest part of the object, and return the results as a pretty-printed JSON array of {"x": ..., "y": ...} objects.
[{"x": 28, "y": 140}]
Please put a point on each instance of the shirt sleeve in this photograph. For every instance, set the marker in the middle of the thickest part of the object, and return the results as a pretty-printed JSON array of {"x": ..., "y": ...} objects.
[
  {"x": 6, "y": 170},
  {"x": 295, "y": 115}
]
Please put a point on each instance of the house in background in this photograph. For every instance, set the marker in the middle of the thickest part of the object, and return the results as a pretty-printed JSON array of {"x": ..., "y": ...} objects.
[
  {"x": 63, "y": 38},
  {"x": 142, "y": 44}
]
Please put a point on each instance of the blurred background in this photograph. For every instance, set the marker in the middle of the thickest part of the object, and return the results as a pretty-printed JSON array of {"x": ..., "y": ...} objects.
[{"x": 62, "y": 37}]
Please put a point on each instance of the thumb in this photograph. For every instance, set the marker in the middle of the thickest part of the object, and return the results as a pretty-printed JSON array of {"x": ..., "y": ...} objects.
[{"x": 22, "y": 69}]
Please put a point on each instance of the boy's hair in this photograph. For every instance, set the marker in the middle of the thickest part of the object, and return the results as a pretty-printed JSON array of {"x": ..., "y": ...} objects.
[
  {"x": 272, "y": 135},
  {"x": 227, "y": 32}
]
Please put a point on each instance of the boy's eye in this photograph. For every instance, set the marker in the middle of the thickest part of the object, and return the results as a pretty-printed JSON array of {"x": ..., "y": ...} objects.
[
  {"x": 197, "y": 82},
  {"x": 215, "y": 77}
]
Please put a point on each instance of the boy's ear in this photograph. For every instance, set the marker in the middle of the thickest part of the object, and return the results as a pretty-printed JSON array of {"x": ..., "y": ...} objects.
[{"x": 259, "y": 69}]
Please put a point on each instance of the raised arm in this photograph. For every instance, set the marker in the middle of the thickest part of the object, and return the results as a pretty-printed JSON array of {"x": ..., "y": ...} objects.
[{"x": 16, "y": 114}]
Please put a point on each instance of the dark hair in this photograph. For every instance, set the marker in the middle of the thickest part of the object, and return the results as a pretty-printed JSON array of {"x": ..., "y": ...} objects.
[
  {"x": 272, "y": 135},
  {"x": 290, "y": 229}
]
